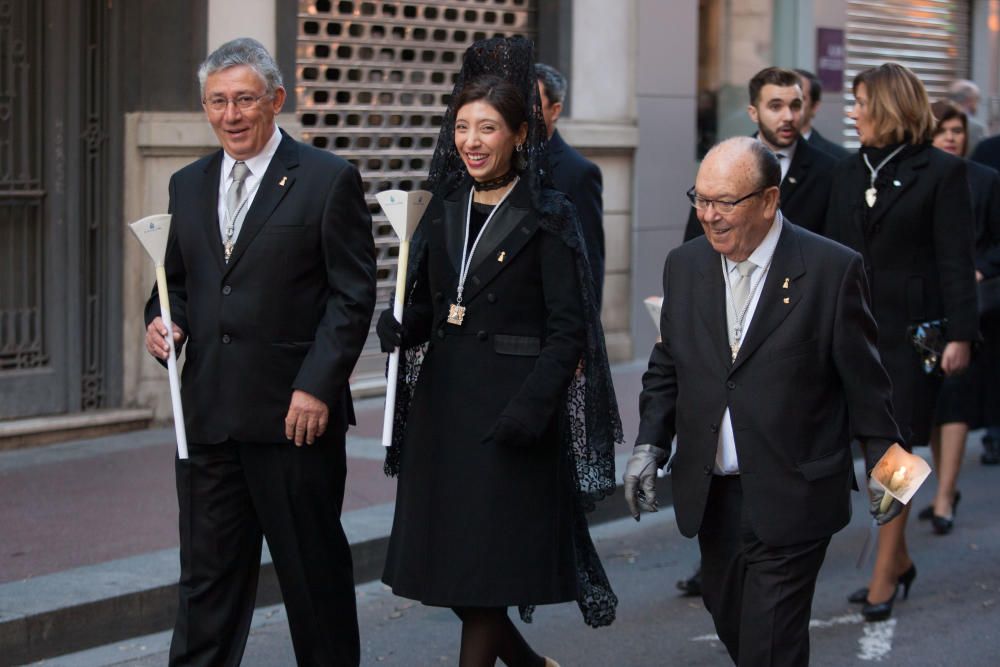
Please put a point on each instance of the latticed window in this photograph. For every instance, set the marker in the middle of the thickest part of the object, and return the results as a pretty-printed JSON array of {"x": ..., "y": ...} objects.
[{"x": 373, "y": 79}]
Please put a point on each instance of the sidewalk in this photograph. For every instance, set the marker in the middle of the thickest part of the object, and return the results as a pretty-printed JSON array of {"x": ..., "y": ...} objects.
[{"x": 89, "y": 537}]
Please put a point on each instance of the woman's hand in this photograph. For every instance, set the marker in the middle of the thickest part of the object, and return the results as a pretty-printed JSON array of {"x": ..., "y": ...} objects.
[{"x": 955, "y": 357}]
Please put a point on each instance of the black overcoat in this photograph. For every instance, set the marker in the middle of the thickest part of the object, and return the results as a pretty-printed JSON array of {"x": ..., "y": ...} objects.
[
  {"x": 917, "y": 243},
  {"x": 477, "y": 523}
]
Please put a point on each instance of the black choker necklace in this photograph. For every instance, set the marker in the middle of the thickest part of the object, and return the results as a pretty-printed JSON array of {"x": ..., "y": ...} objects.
[{"x": 496, "y": 183}]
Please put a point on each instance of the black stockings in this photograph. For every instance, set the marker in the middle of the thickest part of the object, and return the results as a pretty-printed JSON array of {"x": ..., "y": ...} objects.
[{"x": 488, "y": 634}]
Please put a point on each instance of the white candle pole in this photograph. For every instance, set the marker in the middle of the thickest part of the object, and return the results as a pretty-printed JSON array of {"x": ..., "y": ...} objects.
[
  {"x": 152, "y": 233},
  {"x": 404, "y": 210}
]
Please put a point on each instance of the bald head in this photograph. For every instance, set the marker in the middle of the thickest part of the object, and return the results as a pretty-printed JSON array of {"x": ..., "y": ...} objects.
[{"x": 739, "y": 169}]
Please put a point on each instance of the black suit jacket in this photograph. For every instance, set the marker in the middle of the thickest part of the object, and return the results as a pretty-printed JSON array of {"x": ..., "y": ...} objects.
[
  {"x": 984, "y": 182},
  {"x": 291, "y": 309},
  {"x": 805, "y": 191},
  {"x": 836, "y": 151},
  {"x": 807, "y": 381},
  {"x": 580, "y": 180},
  {"x": 987, "y": 152}
]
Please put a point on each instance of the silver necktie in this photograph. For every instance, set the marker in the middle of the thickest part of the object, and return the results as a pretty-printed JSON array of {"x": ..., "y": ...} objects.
[
  {"x": 235, "y": 203},
  {"x": 741, "y": 303}
]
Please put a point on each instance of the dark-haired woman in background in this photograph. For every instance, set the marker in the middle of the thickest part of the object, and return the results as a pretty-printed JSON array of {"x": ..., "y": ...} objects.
[
  {"x": 505, "y": 441},
  {"x": 905, "y": 206},
  {"x": 969, "y": 400}
]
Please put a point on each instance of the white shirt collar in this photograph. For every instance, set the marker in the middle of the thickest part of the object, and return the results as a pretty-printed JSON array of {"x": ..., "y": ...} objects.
[
  {"x": 808, "y": 133},
  {"x": 259, "y": 162},
  {"x": 762, "y": 254}
]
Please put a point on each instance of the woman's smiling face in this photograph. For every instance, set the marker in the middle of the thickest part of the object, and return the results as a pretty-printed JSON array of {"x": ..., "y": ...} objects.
[{"x": 485, "y": 141}]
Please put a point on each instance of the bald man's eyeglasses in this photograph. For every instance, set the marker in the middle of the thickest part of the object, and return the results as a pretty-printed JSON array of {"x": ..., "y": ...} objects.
[{"x": 721, "y": 206}]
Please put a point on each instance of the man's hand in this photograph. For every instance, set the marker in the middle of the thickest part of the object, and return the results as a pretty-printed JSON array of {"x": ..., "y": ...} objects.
[
  {"x": 640, "y": 478},
  {"x": 306, "y": 419},
  {"x": 955, "y": 357},
  {"x": 877, "y": 493},
  {"x": 156, "y": 338}
]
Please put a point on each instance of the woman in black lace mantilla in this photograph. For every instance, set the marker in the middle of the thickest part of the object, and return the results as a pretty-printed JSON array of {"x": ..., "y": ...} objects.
[{"x": 506, "y": 418}]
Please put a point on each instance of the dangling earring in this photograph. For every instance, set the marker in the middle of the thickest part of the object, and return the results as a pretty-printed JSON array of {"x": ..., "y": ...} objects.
[{"x": 520, "y": 161}]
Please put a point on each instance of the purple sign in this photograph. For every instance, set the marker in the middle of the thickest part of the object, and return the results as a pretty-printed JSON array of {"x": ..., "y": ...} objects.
[{"x": 830, "y": 58}]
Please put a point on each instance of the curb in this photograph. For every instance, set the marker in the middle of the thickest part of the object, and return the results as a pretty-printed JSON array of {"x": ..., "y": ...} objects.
[{"x": 96, "y": 605}]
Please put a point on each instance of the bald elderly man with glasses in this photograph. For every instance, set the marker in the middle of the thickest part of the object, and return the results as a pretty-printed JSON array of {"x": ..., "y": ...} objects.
[{"x": 766, "y": 371}]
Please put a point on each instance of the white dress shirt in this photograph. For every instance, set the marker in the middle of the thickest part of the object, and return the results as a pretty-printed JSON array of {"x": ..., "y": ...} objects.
[
  {"x": 258, "y": 165},
  {"x": 726, "y": 462},
  {"x": 786, "y": 160}
]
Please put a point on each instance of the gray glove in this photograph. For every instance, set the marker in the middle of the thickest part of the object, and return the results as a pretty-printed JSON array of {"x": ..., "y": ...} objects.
[
  {"x": 891, "y": 512},
  {"x": 640, "y": 478}
]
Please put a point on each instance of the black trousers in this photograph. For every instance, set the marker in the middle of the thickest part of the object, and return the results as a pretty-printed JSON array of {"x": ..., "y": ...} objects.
[
  {"x": 760, "y": 596},
  {"x": 230, "y": 496}
]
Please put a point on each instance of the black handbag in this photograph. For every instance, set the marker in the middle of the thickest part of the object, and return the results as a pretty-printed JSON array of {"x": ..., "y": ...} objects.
[{"x": 929, "y": 340}]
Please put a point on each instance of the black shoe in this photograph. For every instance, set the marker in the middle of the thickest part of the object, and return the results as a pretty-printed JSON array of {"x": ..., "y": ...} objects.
[
  {"x": 880, "y": 611},
  {"x": 991, "y": 452},
  {"x": 691, "y": 587},
  {"x": 942, "y": 525},
  {"x": 927, "y": 513},
  {"x": 905, "y": 580}
]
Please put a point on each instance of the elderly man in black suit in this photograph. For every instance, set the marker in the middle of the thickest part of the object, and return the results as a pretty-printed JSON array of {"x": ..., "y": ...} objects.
[
  {"x": 776, "y": 106},
  {"x": 572, "y": 174},
  {"x": 271, "y": 268},
  {"x": 766, "y": 371},
  {"x": 812, "y": 92}
]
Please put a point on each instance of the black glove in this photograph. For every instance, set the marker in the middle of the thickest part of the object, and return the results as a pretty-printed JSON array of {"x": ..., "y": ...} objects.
[
  {"x": 508, "y": 432},
  {"x": 893, "y": 509},
  {"x": 389, "y": 331}
]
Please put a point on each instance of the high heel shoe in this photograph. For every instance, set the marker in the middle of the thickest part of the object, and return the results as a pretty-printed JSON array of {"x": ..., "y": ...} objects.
[
  {"x": 942, "y": 525},
  {"x": 927, "y": 513},
  {"x": 905, "y": 580},
  {"x": 880, "y": 611}
]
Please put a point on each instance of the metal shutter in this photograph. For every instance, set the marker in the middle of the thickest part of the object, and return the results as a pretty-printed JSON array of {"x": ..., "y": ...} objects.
[
  {"x": 372, "y": 83},
  {"x": 931, "y": 37}
]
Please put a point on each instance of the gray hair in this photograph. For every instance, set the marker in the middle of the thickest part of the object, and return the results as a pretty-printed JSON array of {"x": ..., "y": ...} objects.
[
  {"x": 553, "y": 82},
  {"x": 242, "y": 51},
  {"x": 963, "y": 91}
]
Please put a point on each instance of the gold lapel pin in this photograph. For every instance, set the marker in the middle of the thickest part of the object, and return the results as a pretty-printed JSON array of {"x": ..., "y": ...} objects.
[
  {"x": 784, "y": 285},
  {"x": 282, "y": 181},
  {"x": 501, "y": 256},
  {"x": 787, "y": 300}
]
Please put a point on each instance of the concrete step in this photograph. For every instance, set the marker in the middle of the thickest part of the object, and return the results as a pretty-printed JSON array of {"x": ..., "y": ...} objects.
[{"x": 36, "y": 431}]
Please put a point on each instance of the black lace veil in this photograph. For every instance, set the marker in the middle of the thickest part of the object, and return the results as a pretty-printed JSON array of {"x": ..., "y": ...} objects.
[{"x": 591, "y": 424}]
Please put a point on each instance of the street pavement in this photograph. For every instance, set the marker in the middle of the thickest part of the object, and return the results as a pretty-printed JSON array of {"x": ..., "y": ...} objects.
[
  {"x": 951, "y": 618},
  {"x": 82, "y": 517}
]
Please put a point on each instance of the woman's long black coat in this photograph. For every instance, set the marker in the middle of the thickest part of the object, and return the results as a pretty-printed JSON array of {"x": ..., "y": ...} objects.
[
  {"x": 917, "y": 244},
  {"x": 478, "y": 523}
]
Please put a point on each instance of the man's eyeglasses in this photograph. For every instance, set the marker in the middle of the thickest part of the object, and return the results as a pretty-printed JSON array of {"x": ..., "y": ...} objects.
[
  {"x": 242, "y": 102},
  {"x": 720, "y": 205}
]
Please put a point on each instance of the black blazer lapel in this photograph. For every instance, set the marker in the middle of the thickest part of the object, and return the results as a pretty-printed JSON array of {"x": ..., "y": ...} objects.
[
  {"x": 779, "y": 295},
  {"x": 798, "y": 172},
  {"x": 274, "y": 185},
  {"x": 210, "y": 204},
  {"x": 907, "y": 174},
  {"x": 455, "y": 209},
  {"x": 504, "y": 221},
  {"x": 710, "y": 302}
]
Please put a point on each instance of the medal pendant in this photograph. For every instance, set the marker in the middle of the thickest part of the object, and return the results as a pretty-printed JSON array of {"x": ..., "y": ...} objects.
[
  {"x": 229, "y": 250},
  {"x": 735, "y": 349},
  {"x": 870, "y": 195},
  {"x": 456, "y": 314}
]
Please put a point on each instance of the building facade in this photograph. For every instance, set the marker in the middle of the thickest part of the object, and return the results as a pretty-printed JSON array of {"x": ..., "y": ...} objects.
[{"x": 99, "y": 105}]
